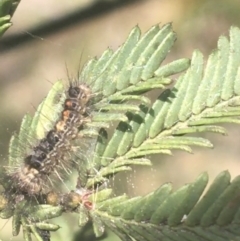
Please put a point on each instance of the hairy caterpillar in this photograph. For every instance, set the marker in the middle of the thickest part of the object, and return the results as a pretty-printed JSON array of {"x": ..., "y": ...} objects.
[{"x": 49, "y": 156}]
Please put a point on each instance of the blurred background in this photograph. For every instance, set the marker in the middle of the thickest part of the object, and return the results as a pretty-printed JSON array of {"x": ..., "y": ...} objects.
[{"x": 47, "y": 38}]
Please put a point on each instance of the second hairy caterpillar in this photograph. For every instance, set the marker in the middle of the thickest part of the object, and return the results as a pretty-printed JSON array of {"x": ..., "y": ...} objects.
[{"x": 66, "y": 112}]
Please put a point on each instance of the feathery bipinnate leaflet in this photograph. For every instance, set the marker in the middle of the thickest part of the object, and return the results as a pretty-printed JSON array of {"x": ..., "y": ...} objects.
[
  {"x": 167, "y": 215},
  {"x": 200, "y": 99}
]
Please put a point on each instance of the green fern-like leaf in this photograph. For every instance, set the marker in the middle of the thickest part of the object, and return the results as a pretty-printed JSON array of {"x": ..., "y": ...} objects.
[
  {"x": 201, "y": 99},
  {"x": 119, "y": 78},
  {"x": 179, "y": 215}
]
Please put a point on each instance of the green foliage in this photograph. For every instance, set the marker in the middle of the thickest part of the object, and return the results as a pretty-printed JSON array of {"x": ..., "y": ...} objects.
[
  {"x": 7, "y": 8},
  {"x": 179, "y": 215},
  {"x": 119, "y": 77},
  {"x": 4, "y": 24},
  {"x": 201, "y": 98}
]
